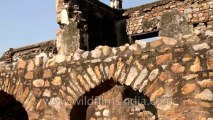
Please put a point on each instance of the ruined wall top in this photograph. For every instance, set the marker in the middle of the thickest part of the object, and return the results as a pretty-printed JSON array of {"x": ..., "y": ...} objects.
[
  {"x": 140, "y": 20},
  {"x": 146, "y": 18}
]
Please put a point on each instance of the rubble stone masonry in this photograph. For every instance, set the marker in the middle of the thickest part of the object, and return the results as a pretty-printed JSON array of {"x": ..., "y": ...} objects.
[
  {"x": 146, "y": 18},
  {"x": 172, "y": 76}
]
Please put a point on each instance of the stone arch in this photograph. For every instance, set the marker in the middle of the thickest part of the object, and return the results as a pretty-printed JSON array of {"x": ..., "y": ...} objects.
[
  {"x": 10, "y": 108},
  {"x": 83, "y": 109},
  {"x": 20, "y": 94}
]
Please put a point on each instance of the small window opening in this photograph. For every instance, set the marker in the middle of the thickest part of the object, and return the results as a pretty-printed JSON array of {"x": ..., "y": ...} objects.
[{"x": 148, "y": 37}]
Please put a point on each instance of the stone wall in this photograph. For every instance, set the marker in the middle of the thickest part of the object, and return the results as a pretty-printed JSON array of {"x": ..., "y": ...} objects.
[
  {"x": 176, "y": 75},
  {"x": 146, "y": 18},
  {"x": 173, "y": 73},
  {"x": 45, "y": 49}
]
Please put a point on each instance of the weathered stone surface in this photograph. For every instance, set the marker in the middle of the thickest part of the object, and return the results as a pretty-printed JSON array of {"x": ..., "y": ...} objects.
[
  {"x": 47, "y": 93},
  {"x": 122, "y": 76},
  {"x": 187, "y": 58},
  {"x": 120, "y": 66},
  {"x": 30, "y": 66},
  {"x": 29, "y": 102},
  {"x": 141, "y": 43},
  {"x": 47, "y": 73},
  {"x": 37, "y": 61},
  {"x": 60, "y": 58},
  {"x": 111, "y": 71},
  {"x": 196, "y": 65},
  {"x": 165, "y": 104},
  {"x": 169, "y": 41},
  {"x": 59, "y": 5},
  {"x": 205, "y": 95},
  {"x": 96, "y": 53},
  {"x": 139, "y": 65},
  {"x": 33, "y": 116},
  {"x": 93, "y": 75},
  {"x": 157, "y": 93},
  {"x": 206, "y": 104},
  {"x": 151, "y": 87},
  {"x": 190, "y": 76},
  {"x": 61, "y": 70},
  {"x": 83, "y": 83},
  {"x": 21, "y": 64},
  {"x": 140, "y": 78},
  {"x": 209, "y": 33},
  {"x": 37, "y": 92},
  {"x": 29, "y": 75},
  {"x": 207, "y": 83},
  {"x": 98, "y": 72},
  {"x": 64, "y": 17},
  {"x": 164, "y": 58},
  {"x": 210, "y": 63},
  {"x": 56, "y": 103},
  {"x": 156, "y": 43},
  {"x": 25, "y": 94},
  {"x": 38, "y": 83},
  {"x": 188, "y": 88},
  {"x": 209, "y": 53},
  {"x": 85, "y": 54},
  {"x": 152, "y": 68},
  {"x": 71, "y": 92},
  {"x": 106, "y": 50},
  {"x": 106, "y": 113},
  {"x": 131, "y": 76},
  {"x": 133, "y": 47},
  {"x": 153, "y": 74},
  {"x": 41, "y": 105},
  {"x": 91, "y": 84},
  {"x": 177, "y": 68},
  {"x": 57, "y": 81},
  {"x": 76, "y": 56},
  {"x": 164, "y": 76},
  {"x": 51, "y": 62},
  {"x": 47, "y": 83},
  {"x": 201, "y": 46},
  {"x": 122, "y": 48}
]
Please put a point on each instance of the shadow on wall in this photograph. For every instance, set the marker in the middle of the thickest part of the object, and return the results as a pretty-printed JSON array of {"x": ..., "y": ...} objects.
[
  {"x": 10, "y": 109},
  {"x": 140, "y": 98},
  {"x": 110, "y": 100},
  {"x": 79, "y": 110}
]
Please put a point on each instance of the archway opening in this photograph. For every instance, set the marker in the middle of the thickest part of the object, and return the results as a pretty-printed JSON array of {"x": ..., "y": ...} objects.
[
  {"x": 10, "y": 109},
  {"x": 111, "y": 100},
  {"x": 79, "y": 110},
  {"x": 140, "y": 103}
]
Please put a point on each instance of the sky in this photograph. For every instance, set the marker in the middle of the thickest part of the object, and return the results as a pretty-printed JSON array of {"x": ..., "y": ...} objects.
[{"x": 25, "y": 22}]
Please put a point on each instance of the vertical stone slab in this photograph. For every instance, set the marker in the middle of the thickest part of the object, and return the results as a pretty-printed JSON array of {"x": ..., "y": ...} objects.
[
  {"x": 174, "y": 25},
  {"x": 68, "y": 39}
]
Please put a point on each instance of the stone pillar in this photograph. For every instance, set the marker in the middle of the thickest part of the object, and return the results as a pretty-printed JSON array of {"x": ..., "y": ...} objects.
[{"x": 70, "y": 35}]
